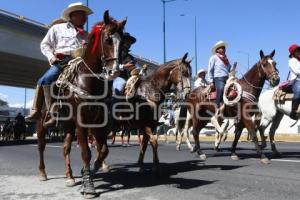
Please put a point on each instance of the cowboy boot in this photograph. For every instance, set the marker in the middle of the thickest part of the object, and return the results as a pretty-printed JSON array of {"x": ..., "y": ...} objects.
[
  {"x": 50, "y": 120},
  {"x": 295, "y": 105},
  {"x": 37, "y": 104}
]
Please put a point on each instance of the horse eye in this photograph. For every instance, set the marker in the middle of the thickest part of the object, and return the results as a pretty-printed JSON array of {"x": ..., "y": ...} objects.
[{"x": 108, "y": 40}]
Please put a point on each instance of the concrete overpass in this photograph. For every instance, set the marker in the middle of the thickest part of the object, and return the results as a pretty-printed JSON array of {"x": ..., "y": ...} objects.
[{"x": 21, "y": 62}]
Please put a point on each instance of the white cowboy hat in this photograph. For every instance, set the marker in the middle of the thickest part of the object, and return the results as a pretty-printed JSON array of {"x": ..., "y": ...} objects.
[
  {"x": 78, "y": 6},
  {"x": 201, "y": 71},
  {"x": 218, "y": 45}
]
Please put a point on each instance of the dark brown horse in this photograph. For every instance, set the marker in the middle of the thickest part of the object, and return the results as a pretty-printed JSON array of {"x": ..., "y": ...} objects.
[
  {"x": 202, "y": 109},
  {"x": 143, "y": 110},
  {"x": 86, "y": 98}
]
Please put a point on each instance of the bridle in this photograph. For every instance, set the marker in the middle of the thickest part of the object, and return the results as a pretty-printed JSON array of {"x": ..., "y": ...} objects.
[{"x": 269, "y": 76}]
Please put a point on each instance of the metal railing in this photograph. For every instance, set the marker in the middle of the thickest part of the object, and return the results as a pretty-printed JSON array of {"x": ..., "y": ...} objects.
[{"x": 22, "y": 18}]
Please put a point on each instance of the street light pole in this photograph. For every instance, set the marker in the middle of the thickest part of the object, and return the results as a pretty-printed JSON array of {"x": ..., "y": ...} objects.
[
  {"x": 87, "y": 20},
  {"x": 195, "y": 42},
  {"x": 164, "y": 27},
  {"x": 196, "y": 48}
]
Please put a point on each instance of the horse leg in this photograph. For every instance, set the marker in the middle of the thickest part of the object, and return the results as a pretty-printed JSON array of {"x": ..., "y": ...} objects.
[
  {"x": 70, "y": 181},
  {"x": 197, "y": 126},
  {"x": 88, "y": 185},
  {"x": 251, "y": 130},
  {"x": 102, "y": 149},
  {"x": 187, "y": 140},
  {"x": 179, "y": 135},
  {"x": 41, "y": 133},
  {"x": 154, "y": 144},
  {"x": 261, "y": 128},
  {"x": 273, "y": 128},
  {"x": 144, "y": 145},
  {"x": 238, "y": 131},
  {"x": 113, "y": 137}
]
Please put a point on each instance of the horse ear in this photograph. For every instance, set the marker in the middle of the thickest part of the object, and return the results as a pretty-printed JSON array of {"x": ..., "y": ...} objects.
[
  {"x": 262, "y": 55},
  {"x": 272, "y": 54},
  {"x": 184, "y": 57},
  {"x": 123, "y": 23},
  {"x": 106, "y": 17}
]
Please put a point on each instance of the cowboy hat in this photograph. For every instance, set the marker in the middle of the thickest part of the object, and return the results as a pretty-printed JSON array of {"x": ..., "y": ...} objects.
[
  {"x": 129, "y": 37},
  {"x": 201, "y": 71},
  {"x": 218, "y": 45},
  {"x": 79, "y": 6}
]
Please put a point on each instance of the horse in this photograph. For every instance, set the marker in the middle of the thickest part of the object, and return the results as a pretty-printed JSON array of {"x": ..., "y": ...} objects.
[
  {"x": 86, "y": 97},
  {"x": 272, "y": 112},
  {"x": 142, "y": 110},
  {"x": 202, "y": 108}
]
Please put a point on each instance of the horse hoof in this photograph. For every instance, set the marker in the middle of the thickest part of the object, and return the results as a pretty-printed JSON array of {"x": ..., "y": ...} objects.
[
  {"x": 203, "y": 157},
  {"x": 43, "y": 177},
  {"x": 105, "y": 169},
  {"x": 265, "y": 161},
  {"x": 70, "y": 182},
  {"x": 235, "y": 158},
  {"x": 89, "y": 195},
  {"x": 177, "y": 148},
  {"x": 217, "y": 149}
]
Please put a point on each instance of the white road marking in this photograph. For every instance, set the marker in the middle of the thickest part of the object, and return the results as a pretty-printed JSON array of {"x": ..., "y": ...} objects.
[
  {"x": 51, "y": 146},
  {"x": 279, "y": 160}
]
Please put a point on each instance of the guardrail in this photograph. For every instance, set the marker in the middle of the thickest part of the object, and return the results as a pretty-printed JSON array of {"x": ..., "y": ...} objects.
[{"x": 22, "y": 18}]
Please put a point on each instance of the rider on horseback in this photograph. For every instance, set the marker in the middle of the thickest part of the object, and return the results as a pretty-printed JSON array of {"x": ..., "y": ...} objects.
[
  {"x": 201, "y": 81},
  {"x": 294, "y": 65},
  {"x": 219, "y": 69},
  {"x": 61, "y": 41}
]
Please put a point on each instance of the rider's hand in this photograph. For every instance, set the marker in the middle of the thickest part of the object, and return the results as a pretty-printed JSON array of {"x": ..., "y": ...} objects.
[
  {"x": 129, "y": 66},
  {"x": 53, "y": 60}
]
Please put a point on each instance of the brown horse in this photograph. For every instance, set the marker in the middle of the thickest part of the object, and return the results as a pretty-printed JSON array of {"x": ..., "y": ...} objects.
[
  {"x": 143, "y": 110},
  {"x": 202, "y": 108},
  {"x": 86, "y": 98}
]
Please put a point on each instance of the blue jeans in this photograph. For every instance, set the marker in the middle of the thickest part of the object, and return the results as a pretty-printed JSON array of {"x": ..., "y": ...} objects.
[
  {"x": 296, "y": 91},
  {"x": 50, "y": 76},
  {"x": 220, "y": 84}
]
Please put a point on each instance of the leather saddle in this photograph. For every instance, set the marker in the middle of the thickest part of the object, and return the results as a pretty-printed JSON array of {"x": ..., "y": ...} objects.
[{"x": 284, "y": 92}]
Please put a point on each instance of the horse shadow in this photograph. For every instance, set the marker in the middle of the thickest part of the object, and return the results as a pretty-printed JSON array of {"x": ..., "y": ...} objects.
[{"x": 123, "y": 176}]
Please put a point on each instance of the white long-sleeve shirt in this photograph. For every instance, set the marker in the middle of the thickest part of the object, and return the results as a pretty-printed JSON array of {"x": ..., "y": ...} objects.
[
  {"x": 62, "y": 38},
  {"x": 294, "y": 66},
  {"x": 200, "y": 82},
  {"x": 217, "y": 68}
]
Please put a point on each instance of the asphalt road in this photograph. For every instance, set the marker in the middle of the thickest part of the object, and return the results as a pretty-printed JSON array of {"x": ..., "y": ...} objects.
[{"x": 184, "y": 176}]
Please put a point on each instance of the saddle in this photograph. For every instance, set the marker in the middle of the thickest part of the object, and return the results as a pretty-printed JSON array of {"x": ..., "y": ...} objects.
[{"x": 284, "y": 92}]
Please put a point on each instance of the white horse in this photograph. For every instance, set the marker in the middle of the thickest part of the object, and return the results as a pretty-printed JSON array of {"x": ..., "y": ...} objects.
[{"x": 272, "y": 112}]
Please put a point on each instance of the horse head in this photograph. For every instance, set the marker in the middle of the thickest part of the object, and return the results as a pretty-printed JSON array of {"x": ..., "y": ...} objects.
[
  {"x": 268, "y": 66},
  {"x": 106, "y": 40},
  {"x": 180, "y": 76}
]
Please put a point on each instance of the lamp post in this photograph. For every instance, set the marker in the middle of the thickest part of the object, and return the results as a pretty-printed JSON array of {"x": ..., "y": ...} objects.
[
  {"x": 248, "y": 56},
  {"x": 195, "y": 42},
  {"x": 87, "y": 20},
  {"x": 164, "y": 27}
]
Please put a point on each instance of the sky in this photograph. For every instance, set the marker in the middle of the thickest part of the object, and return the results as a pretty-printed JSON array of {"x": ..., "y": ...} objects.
[{"x": 246, "y": 25}]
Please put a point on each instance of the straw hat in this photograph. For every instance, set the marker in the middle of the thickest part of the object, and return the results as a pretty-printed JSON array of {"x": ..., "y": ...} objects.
[
  {"x": 79, "y": 6},
  {"x": 218, "y": 45},
  {"x": 201, "y": 71}
]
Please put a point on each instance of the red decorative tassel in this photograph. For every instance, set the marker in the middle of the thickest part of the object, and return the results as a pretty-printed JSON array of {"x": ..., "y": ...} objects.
[{"x": 97, "y": 32}]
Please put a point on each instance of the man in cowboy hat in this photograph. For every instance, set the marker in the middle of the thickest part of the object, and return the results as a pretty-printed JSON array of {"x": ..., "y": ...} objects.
[
  {"x": 201, "y": 81},
  {"x": 58, "y": 45},
  {"x": 219, "y": 68},
  {"x": 294, "y": 65}
]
